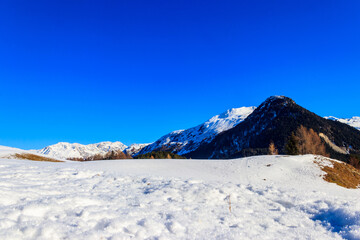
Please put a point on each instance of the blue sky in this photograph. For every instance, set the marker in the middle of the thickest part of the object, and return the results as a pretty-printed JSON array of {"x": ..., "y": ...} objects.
[{"x": 132, "y": 71}]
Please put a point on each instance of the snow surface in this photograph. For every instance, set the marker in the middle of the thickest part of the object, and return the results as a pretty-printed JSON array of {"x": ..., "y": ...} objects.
[
  {"x": 64, "y": 150},
  {"x": 7, "y": 151},
  {"x": 354, "y": 121},
  {"x": 184, "y": 141},
  {"x": 265, "y": 197}
]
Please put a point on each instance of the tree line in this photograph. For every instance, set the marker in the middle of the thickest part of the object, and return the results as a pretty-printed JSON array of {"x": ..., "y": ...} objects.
[{"x": 107, "y": 156}]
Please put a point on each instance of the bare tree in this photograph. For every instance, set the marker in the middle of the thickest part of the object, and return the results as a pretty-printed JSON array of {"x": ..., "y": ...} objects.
[
  {"x": 309, "y": 142},
  {"x": 272, "y": 149}
]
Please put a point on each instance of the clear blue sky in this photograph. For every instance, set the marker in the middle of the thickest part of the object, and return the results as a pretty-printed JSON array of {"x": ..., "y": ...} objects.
[{"x": 89, "y": 71}]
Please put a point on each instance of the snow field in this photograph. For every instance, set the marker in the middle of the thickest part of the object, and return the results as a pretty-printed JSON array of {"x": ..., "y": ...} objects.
[{"x": 270, "y": 198}]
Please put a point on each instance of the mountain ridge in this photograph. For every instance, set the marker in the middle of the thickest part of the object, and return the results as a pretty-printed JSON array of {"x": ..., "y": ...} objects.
[
  {"x": 188, "y": 140},
  {"x": 65, "y": 150},
  {"x": 183, "y": 142}
]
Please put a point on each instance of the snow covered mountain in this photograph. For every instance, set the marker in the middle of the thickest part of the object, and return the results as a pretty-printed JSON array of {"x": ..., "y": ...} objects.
[
  {"x": 64, "y": 150},
  {"x": 354, "y": 121},
  {"x": 135, "y": 148},
  {"x": 185, "y": 141}
]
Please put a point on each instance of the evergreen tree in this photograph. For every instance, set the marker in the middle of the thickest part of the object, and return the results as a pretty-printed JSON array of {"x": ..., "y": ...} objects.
[
  {"x": 160, "y": 155},
  {"x": 291, "y": 147}
]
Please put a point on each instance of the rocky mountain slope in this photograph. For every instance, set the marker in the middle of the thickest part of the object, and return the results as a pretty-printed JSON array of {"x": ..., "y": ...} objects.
[
  {"x": 275, "y": 120},
  {"x": 186, "y": 141},
  {"x": 133, "y": 149}
]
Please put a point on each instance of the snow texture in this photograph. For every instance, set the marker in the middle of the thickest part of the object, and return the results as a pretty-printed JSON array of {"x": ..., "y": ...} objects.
[
  {"x": 185, "y": 141},
  {"x": 265, "y": 197},
  {"x": 354, "y": 121}
]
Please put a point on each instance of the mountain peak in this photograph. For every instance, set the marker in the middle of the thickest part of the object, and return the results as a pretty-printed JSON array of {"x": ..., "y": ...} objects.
[
  {"x": 275, "y": 102},
  {"x": 235, "y": 113},
  {"x": 278, "y": 99}
]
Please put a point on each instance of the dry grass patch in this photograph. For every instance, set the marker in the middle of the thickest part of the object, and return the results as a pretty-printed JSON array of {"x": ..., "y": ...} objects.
[
  {"x": 342, "y": 174},
  {"x": 33, "y": 157}
]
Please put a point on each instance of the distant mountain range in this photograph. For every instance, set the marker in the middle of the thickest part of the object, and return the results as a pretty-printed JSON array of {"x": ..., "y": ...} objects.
[
  {"x": 354, "y": 121},
  {"x": 180, "y": 142},
  {"x": 64, "y": 150},
  {"x": 234, "y": 133}
]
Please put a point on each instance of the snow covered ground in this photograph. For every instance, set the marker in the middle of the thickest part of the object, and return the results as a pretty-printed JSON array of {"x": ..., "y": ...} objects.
[{"x": 265, "y": 197}]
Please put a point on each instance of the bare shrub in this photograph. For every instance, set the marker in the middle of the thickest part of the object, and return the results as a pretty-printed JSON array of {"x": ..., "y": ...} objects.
[{"x": 33, "y": 157}]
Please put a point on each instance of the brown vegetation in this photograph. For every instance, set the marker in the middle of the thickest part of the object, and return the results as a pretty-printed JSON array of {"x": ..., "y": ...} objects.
[
  {"x": 272, "y": 149},
  {"x": 306, "y": 141},
  {"x": 309, "y": 142},
  {"x": 342, "y": 174},
  {"x": 33, "y": 157},
  {"x": 108, "y": 156}
]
